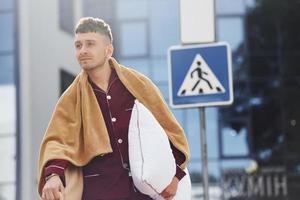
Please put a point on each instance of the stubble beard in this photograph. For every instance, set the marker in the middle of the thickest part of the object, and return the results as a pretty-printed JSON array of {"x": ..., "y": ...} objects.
[
  {"x": 90, "y": 67},
  {"x": 87, "y": 67}
]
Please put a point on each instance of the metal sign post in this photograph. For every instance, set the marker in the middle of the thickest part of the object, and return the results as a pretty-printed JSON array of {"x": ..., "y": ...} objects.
[
  {"x": 191, "y": 34},
  {"x": 205, "y": 88},
  {"x": 204, "y": 161}
]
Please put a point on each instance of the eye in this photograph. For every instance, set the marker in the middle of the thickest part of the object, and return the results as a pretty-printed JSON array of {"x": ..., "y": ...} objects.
[
  {"x": 90, "y": 44},
  {"x": 78, "y": 46}
]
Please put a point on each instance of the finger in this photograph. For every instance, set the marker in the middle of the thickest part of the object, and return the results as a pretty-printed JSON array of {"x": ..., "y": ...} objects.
[
  {"x": 61, "y": 196},
  {"x": 166, "y": 198},
  {"x": 62, "y": 193},
  {"x": 166, "y": 195},
  {"x": 56, "y": 194},
  {"x": 43, "y": 195},
  {"x": 62, "y": 188},
  {"x": 169, "y": 198},
  {"x": 49, "y": 195}
]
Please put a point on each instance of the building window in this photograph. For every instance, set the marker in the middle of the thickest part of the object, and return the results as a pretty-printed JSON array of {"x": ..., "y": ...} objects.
[
  {"x": 7, "y": 141},
  {"x": 232, "y": 31},
  {"x": 8, "y": 149},
  {"x": 6, "y": 33},
  {"x": 234, "y": 140},
  {"x": 224, "y": 7},
  {"x": 66, "y": 79},
  {"x": 160, "y": 70},
  {"x": 137, "y": 47},
  {"x": 6, "y": 5},
  {"x": 103, "y": 9},
  {"x": 163, "y": 27},
  {"x": 125, "y": 8},
  {"x": 66, "y": 16},
  {"x": 6, "y": 69}
]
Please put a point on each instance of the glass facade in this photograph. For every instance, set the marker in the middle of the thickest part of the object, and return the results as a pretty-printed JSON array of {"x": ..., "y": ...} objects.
[
  {"x": 66, "y": 16},
  {"x": 8, "y": 147},
  {"x": 264, "y": 115},
  {"x": 253, "y": 145}
]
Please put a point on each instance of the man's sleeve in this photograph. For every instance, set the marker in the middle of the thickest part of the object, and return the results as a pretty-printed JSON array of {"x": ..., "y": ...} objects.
[
  {"x": 58, "y": 167},
  {"x": 179, "y": 159}
]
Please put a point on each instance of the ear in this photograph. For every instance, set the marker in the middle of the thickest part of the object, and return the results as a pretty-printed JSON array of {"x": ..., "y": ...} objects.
[{"x": 109, "y": 50}]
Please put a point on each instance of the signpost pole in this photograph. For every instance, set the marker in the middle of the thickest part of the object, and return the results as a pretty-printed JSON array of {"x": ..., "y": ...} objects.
[
  {"x": 205, "y": 180},
  {"x": 202, "y": 31}
]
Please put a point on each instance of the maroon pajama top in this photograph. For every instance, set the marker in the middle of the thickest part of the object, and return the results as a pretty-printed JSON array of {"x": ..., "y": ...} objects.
[{"x": 106, "y": 177}]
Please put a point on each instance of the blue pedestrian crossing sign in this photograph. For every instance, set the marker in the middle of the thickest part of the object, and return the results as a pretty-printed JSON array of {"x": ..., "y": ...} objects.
[{"x": 200, "y": 75}]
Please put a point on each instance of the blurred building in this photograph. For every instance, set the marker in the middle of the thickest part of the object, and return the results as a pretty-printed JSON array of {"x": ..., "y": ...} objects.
[
  {"x": 8, "y": 104},
  {"x": 253, "y": 149}
]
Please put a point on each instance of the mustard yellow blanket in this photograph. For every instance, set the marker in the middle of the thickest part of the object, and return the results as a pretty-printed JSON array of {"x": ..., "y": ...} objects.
[{"x": 77, "y": 130}]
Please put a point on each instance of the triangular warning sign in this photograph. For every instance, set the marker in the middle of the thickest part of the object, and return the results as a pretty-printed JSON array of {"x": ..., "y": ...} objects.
[{"x": 200, "y": 80}]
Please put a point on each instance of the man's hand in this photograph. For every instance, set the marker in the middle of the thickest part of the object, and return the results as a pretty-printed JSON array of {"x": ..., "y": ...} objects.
[
  {"x": 170, "y": 190},
  {"x": 53, "y": 189}
]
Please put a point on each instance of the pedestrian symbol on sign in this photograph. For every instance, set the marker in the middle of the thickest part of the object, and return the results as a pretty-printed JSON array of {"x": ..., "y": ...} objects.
[{"x": 200, "y": 80}]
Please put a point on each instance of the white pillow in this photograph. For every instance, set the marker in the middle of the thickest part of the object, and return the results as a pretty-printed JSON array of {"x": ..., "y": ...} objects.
[{"x": 151, "y": 160}]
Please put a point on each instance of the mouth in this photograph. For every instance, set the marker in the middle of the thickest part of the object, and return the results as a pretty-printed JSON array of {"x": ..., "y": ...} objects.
[{"x": 85, "y": 58}]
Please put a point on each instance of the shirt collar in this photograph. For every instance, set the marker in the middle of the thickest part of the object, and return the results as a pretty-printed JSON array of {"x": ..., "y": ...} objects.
[{"x": 113, "y": 76}]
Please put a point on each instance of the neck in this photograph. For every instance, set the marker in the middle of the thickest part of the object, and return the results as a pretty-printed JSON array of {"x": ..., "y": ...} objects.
[{"x": 100, "y": 75}]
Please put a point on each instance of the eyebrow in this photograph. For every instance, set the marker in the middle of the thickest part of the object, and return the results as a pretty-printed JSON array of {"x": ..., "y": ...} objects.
[{"x": 79, "y": 41}]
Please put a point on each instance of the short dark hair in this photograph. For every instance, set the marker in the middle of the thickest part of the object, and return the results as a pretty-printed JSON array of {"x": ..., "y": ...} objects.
[{"x": 91, "y": 24}]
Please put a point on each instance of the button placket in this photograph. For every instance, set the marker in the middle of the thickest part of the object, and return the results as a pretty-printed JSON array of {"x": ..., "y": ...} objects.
[
  {"x": 113, "y": 119},
  {"x": 108, "y": 97},
  {"x": 118, "y": 140}
]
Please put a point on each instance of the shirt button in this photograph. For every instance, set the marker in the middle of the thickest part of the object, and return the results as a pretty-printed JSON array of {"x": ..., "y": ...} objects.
[
  {"x": 120, "y": 141},
  {"x": 113, "y": 119},
  {"x": 108, "y": 97}
]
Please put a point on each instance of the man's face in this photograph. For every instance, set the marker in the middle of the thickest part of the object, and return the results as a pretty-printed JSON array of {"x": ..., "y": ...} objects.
[{"x": 92, "y": 50}]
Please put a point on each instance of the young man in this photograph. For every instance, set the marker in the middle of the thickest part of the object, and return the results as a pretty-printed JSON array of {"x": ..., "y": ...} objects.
[{"x": 89, "y": 127}]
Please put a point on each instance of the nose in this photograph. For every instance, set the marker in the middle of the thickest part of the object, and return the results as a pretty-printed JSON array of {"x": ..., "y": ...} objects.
[
  {"x": 81, "y": 53},
  {"x": 83, "y": 50}
]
